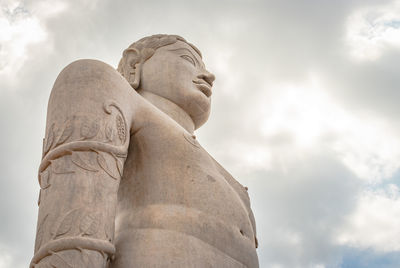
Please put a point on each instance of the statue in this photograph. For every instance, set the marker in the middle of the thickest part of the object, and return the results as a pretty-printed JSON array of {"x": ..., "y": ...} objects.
[{"x": 124, "y": 182}]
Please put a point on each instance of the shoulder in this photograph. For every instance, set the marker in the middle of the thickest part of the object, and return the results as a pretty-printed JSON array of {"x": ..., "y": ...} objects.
[
  {"x": 89, "y": 70},
  {"x": 85, "y": 86},
  {"x": 87, "y": 65},
  {"x": 92, "y": 80}
]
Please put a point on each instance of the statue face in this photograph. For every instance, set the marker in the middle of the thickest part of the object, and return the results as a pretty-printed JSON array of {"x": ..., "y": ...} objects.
[{"x": 177, "y": 73}]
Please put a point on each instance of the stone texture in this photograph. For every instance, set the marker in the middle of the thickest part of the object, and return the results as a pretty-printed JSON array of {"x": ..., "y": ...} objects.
[{"x": 124, "y": 182}]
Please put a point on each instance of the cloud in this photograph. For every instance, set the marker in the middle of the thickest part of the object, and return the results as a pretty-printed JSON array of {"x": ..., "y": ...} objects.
[
  {"x": 309, "y": 128},
  {"x": 303, "y": 116},
  {"x": 375, "y": 221},
  {"x": 372, "y": 29},
  {"x": 297, "y": 209},
  {"x": 18, "y": 29},
  {"x": 22, "y": 32}
]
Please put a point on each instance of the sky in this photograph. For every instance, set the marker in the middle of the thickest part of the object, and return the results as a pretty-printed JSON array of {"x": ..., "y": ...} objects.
[{"x": 305, "y": 113}]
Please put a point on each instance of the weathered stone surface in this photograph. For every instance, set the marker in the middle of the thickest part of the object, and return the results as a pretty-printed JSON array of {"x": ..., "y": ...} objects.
[{"x": 124, "y": 182}]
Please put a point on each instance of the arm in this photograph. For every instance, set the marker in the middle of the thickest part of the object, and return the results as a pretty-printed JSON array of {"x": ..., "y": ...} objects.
[{"x": 87, "y": 137}]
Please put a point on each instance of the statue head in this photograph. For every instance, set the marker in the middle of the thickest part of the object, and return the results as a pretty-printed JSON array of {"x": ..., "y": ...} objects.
[{"x": 169, "y": 66}]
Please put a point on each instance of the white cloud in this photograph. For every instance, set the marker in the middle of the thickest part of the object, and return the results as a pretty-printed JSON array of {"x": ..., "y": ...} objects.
[
  {"x": 45, "y": 9},
  {"x": 299, "y": 111},
  {"x": 244, "y": 157},
  {"x": 285, "y": 137},
  {"x": 226, "y": 78},
  {"x": 375, "y": 221},
  {"x": 310, "y": 118},
  {"x": 372, "y": 29},
  {"x": 20, "y": 27}
]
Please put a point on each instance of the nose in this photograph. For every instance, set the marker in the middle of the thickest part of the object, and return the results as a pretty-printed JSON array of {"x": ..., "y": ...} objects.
[{"x": 207, "y": 76}]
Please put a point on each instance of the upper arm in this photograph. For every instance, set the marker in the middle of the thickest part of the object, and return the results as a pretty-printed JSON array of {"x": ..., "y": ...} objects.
[
  {"x": 90, "y": 102},
  {"x": 90, "y": 115},
  {"x": 83, "y": 92}
]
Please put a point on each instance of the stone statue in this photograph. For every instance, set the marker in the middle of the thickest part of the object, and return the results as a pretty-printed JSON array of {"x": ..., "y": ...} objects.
[{"x": 124, "y": 182}]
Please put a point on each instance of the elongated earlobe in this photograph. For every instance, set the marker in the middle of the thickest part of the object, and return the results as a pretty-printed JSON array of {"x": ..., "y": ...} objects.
[
  {"x": 135, "y": 76},
  {"x": 132, "y": 67}
]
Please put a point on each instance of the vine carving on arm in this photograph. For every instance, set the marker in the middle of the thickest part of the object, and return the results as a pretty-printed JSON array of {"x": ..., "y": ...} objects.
[
  {"x": 111, "y": 129},
  {"x": 82, "y": 143},
  {"x": 107, "y": 137}
]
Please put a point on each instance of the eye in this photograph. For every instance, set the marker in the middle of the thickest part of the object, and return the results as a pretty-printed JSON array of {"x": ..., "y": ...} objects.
[{"x": 189, "y": 59}]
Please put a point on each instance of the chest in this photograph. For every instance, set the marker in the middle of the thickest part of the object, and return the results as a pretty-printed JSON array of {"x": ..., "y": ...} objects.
[
  {"x": 168, "y": 146},
  {"x": 167, "y": 163}
]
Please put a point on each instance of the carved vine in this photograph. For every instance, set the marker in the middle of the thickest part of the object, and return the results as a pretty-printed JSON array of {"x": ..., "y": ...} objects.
[
  {"x": 58, "y": 143},
  {"x": 65, "y": 224},
  {"x": 84, "y": 164},
  {"x": 75, "y": 222},
  {"x": 84, "y": 128},
  {"x": 91, "y": 145},
  {"x": 45, "y": 179},
  {"x": 60, "y": 262},
  {"x": 53, "y": 253},
  {"x": 120, "y": 118},
  {"x": 66, "y": 132}
]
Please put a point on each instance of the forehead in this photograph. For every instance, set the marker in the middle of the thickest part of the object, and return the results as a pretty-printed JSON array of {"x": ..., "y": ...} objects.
[{"x": 180, "y": 45}]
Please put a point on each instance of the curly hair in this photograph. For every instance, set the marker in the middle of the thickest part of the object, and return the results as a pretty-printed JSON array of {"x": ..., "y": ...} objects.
[{"x": 144, "y": 49}]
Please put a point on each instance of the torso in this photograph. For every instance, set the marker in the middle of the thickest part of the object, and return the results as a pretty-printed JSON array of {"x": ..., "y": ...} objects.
[{"x": 177, "y": 207}]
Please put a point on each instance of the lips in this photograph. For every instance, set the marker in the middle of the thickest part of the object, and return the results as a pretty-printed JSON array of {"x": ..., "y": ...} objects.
[{"x": 204, "y": 87}]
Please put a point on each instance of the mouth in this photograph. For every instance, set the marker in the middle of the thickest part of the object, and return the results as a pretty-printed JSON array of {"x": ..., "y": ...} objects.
[{"x": 204, "y": 87}]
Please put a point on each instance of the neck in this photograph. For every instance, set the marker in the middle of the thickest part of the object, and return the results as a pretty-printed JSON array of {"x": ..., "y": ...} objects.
[{"x": 169, "y": 108}]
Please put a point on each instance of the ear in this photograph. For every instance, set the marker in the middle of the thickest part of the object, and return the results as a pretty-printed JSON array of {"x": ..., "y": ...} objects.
[{"x": 132, "y": 68}]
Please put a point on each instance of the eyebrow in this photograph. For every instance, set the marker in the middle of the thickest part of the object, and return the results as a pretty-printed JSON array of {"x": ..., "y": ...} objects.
[{"x": 186, "y": 50}]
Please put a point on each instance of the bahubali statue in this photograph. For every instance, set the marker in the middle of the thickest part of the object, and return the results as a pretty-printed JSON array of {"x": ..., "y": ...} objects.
[{"x": 124, "y": 181}]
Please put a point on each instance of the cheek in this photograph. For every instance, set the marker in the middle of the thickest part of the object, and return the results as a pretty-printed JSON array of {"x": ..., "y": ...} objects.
[
  {"x": 175, "y": 73},
  {"x": 184, "y": 73},
  {"x": 181, "y": 79},
  {"x": 155, "y": 76}
]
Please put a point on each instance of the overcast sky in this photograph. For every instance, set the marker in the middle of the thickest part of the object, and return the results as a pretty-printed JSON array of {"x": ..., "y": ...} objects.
[{"x": 305, "y": 113}]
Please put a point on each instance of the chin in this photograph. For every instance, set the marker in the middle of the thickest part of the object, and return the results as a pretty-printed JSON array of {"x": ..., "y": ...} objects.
[
  {"x": 200, "y": 114},
  {"x": 200, "y": 119}
]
